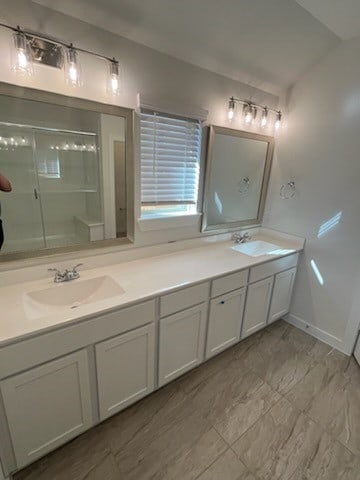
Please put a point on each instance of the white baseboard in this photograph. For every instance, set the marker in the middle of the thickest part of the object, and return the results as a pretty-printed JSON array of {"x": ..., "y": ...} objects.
[{"x": 317, "y": 333}]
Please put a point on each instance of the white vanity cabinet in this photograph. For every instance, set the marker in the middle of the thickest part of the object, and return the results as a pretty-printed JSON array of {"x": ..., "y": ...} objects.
[
  {"x": 47, "y": 406},
  {"x": 281, "y": 296},
  {"x": 257, "y": 306},
  {"x": 182, "y": 334},
  {"x": 125, "y": 369}
]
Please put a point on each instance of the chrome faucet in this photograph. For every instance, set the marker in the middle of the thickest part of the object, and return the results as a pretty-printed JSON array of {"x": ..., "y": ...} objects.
[
  {"x": 238, "y": 238},
  {"x": 66, "y": 276}
]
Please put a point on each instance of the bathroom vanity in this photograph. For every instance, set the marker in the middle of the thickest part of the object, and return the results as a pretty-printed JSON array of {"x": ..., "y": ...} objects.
[{"x": 67, "y": 364}]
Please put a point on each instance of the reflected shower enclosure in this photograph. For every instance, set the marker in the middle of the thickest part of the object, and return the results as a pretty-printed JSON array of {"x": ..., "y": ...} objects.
[
  {"x": 55, "y": 199},
  {"x": 68, "y": 163}
]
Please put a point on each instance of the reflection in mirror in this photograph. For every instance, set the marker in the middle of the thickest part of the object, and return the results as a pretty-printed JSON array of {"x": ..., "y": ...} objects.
[
  {"x": 238, "y": 167},
  {"x": 60, "y": 162}
]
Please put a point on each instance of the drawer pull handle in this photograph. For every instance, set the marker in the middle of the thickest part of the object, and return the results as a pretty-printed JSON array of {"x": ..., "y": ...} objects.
[{"x": 222, "y": 302}]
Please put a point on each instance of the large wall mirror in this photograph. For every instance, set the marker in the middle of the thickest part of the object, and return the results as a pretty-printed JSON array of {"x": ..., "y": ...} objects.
[
  {"x": 69, "y": 164},
  {"x": 237, "y": 175}
]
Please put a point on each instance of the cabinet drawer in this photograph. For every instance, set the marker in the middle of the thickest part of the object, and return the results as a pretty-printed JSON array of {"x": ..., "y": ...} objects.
[
  {"x": 229, "y": 283},
  {"x": 271, "y": 268},
  {"x": 187, "y": 297}
]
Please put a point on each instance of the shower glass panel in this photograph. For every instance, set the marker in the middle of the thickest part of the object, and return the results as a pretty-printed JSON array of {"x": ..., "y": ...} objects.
[
  {"x": 55, "y": 199},
  {"x": 68, "y": 175},
  {"x": 20, "y": 209}
]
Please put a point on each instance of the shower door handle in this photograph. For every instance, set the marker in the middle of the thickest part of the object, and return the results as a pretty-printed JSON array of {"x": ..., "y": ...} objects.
[{"x": 36, "y": 195}]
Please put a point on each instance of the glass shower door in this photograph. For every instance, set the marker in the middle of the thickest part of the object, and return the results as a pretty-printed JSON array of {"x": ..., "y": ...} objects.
[
  {"x": 68, "y": 175},
  {"x": 21, "y": 208}
]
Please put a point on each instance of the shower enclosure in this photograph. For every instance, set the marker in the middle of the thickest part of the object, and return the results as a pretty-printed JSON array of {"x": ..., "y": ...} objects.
[{"x": 55, "y": 199}]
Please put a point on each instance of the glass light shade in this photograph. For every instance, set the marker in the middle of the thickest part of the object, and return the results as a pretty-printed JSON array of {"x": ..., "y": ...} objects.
[
  {"x": 248, "y": 114},
  {"x": 72, "y": 68},
  {"x": 278, "y": 121},
  {"x": 264, "y": 118},
  {"x": 113, "y": 84},
  {"x": 231, "y": 110},
  {"x": 22, "y": 59}
]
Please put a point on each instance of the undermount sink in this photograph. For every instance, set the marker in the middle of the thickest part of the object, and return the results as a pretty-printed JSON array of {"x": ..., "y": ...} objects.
[
  {"x": 70, "y": 295},
  {"x": 257, "y": 248}
]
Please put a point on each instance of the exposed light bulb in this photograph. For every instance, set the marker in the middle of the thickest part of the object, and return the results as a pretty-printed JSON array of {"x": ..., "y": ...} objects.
[
  {"x": 248, "y": 114},
  {"x": 231, "y": 110},
  {"x": 278, "y": 121},
  {"x": 264, "y": 118},
  {"x": 114, "y": 81},
  {"x": 72, "y": 68},
  {"x": 22, "y": 61}
]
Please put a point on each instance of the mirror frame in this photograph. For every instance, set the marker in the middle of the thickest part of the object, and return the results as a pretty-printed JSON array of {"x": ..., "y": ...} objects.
[
  {"x": 27, "y": 93},
  {"x": 214, "y": 129}
]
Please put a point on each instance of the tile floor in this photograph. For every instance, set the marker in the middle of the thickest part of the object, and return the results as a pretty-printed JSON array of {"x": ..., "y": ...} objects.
[{"x": 279, "y": 405}]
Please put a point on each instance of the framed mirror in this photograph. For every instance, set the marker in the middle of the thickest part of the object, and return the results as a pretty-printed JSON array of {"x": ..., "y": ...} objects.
[
  {"x": 237, "y": 174},
  {"x": 69, "y": 163}
]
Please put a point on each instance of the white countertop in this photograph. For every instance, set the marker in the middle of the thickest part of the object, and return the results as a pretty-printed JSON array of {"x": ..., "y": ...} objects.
[{"x": 141, "y": 279}]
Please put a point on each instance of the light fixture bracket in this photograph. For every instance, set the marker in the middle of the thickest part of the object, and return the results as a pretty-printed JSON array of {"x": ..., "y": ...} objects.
[{"x": 45, "y": 52}]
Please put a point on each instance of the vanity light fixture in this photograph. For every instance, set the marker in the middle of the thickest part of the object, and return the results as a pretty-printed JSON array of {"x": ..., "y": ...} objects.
[
  {"x": 264, "y": 117},
  {"x": 30, "y": 48},
  {"x": 231, "y": 110},
  {"x": 72, "y": 67},
  {"x": 22, "y": 61},
  {"x": 250, "y": 111},
  {"x": 113, "y": 82},
  {"x": 278, "y": 121}
]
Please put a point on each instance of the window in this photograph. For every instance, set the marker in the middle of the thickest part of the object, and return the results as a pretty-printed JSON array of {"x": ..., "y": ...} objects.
[{"x": 170, "y": 154}]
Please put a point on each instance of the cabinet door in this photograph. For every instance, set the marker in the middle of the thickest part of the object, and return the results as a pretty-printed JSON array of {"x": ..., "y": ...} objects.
[
  {"x": 281, "y": 297},
  {"x": 47, "y": 406},
  {"x": 226, "y": 313},
  {"x": 125, "y": 369},
  {"x": 257, "y": 306},
  {"x": 182, "y": 341}
]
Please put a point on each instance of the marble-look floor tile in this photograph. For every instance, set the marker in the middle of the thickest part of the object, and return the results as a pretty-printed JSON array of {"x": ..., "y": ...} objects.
[
  {"x": 330, "y": 461},
  {"x": 300, "y": 341},
  {"x": 279, "y": 442},
  {"x": 106, "y": 470},
  {"x": 74, "y": 461},
  {"x": 283, "y": 368},
  {"x": 233, "y": 400},
  {"x": 196, "y": 458},
  {"x": 129, "y": 424},
  {"x": 227, "y": 467},
  {"x": 168, "y": 444},
  {"x": 330, "y": 398}
]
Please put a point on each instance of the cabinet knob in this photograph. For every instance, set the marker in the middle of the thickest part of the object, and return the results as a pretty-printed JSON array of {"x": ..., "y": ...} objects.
[{"x": 222, "y": 302}]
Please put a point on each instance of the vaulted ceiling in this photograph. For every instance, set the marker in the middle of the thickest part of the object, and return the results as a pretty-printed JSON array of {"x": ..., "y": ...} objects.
[{"x": 266, "y": 43}]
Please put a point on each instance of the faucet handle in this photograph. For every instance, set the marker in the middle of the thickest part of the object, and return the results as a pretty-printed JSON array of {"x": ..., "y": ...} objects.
[
  {"x": 54, "y": 270},
  {"x": 74, "y": 269}
]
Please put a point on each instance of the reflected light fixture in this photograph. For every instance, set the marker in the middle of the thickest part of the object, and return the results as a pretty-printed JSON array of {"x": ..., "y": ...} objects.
[
  {"x": 114, "y": 81},
  {"x": 72, "y": 67},
  {"x": 278, "y": 120},
  {"x": 22, "y": 62},
  {"x": 231, "y": 110},
  {"x": 248, "y": 114},
  {"x": 264, "y": 117}
]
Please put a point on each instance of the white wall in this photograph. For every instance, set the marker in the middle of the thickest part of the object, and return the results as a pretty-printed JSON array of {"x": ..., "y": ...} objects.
[
  {"x": 156, "y": 76},
  {"x": 320, "y": 151}
]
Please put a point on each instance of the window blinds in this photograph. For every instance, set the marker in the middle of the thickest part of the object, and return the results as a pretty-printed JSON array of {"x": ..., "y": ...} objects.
[{"x": 170, "y": 150}]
